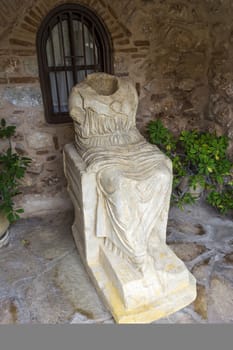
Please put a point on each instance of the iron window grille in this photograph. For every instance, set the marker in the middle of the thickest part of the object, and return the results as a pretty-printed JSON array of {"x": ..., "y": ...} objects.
[{"x": 71, "y": 43}]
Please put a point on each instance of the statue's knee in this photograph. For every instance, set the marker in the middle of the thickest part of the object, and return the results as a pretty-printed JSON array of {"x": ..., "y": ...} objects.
[
  {"x": 165, "y": 173},
  {"x": 109, "y": 180}
]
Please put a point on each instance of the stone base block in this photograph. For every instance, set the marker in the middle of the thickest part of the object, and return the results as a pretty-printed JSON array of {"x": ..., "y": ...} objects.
[
  {"x": 180, "y": 292},
  {"x": 132, "y": 293}
]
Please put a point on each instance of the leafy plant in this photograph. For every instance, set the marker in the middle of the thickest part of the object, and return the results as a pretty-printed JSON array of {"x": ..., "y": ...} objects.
[
  {"x": 12, "y": 169},
  {"x": 199, "y": 161}
]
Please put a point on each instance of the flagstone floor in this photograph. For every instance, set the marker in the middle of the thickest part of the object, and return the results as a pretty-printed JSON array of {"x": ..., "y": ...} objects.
[{"x": 42, "y": 279}]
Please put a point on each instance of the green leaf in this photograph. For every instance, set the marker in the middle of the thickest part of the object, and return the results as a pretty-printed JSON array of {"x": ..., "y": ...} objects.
[
  {"x": 20, "y": 211},
  {"x": 12, "y": 169},
  {"x": 203, "y": 157}
]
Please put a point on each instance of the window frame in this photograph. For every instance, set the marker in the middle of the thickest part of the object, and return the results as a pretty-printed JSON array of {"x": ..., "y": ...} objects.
[{"x": 105, "y": 50}]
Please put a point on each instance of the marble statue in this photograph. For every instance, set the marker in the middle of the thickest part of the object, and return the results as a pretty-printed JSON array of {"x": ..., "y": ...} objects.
[{"x": 120, "y": 186}]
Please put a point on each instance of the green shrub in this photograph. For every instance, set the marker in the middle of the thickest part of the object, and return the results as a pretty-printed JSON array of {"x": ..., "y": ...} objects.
[
  {"x": 201, "y": 158},
  {"x": 12, "y": 170}
]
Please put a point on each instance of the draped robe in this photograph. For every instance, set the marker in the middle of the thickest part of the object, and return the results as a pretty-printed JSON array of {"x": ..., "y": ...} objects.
[{"x": 133, "y": 177}]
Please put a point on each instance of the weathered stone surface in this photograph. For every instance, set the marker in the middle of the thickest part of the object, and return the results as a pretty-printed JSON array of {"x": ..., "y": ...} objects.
[
  {"x": 49, "y": 243},
  {"x": 181, "y": 317},
  {"x": 20, "y": 149},
  {"x": 200, "y": 304},
  {"x": 30, "y": 66},
  {"x": 9, "y": 313},
  {"x": 50, "y": 158},
  {"x": 45, "y": 240},
  {"x": 18, "y": 136},
  {"x": 23, "y": 96},
  {"x": 27, "y": 181},
  {"x": 201, "y": 271},
  {"x": 81, "y": 318},
  {"x": 63, "y": 136},
  {"x": 229, "y": 258},
  {"x": 23, "y": 80},
  {"x": 57, "y": 295},
  {"x": 4, "y": 145},
  {"x": 187, "y": 251},
  {"x": 46, "y": 303},
  {"x": 37, "y": 140},
  {"x": 21, "y": 264},
  {"x": 35, "y": 204},
  {"x": 42, "y": 152},
  {"x": 35, "y": 168},
  {"x": 220, "y": 304},
  {"x": 43, "y": 273},
  {"x": 188, "y": 228},
  {"x": 10, "y": 12},
  {"x": 224, "y": 270},
  {"x": 76, "y": 282},
  {"x": 9, "y": 65}
]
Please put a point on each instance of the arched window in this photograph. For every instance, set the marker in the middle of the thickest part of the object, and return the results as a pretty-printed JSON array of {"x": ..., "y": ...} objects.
[{"x": 71, "y": 43}]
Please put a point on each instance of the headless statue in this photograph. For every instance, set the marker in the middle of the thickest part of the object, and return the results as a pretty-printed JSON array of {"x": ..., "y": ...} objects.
[
  {"x": 132, "y": 182},
  {"x": 133, "y": 178}
]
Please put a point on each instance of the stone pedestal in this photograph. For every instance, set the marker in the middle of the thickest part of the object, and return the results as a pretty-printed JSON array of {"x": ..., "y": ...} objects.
[{"x": 120, "y": 187}]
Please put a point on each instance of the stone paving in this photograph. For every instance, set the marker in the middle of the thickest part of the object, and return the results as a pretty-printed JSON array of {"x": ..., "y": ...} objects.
[{"x": 42, "y": 279}]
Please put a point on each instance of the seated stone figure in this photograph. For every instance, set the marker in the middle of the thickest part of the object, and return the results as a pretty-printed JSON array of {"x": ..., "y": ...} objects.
[
  {"x": 133, "y": 178},
  {"x": 129, "y": 181}
]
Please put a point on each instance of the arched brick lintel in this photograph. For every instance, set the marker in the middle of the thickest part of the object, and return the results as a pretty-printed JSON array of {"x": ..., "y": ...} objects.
[{"x": 23, "y": 36}]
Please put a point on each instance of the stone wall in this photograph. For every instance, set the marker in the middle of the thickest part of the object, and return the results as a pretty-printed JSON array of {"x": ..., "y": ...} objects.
[
  {"x": 220, "y": 73},
  {"x": 21, "y": 105},
  {"x": 178, "y": 54}
]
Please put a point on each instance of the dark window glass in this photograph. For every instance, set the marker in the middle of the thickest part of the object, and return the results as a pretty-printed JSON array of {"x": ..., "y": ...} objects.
[{"x": 71, "y": 43}]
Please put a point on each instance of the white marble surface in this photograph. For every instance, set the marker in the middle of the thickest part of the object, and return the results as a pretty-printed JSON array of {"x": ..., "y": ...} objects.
[{"x": 120, "y": 187}]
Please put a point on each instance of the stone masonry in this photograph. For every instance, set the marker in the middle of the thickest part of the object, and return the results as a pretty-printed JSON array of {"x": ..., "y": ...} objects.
[
  {"x": 44, "y": 281},
  {"x": 178, "y": 54}
]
